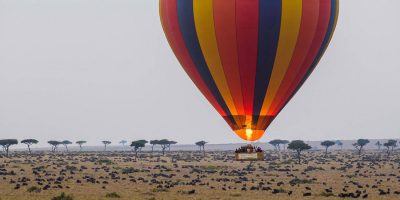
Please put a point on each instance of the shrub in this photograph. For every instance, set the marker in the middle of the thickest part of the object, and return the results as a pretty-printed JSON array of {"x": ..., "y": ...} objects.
[
  {"x": 63, "y": 196},
  {"x": 326, "y": 194},
  {"x": 105, "y": 161},
  {"x": 296, "y": 181},
  {"x": 34, "y": 189},
  {"x": 159, "y": 190},
  {"x": 113, "y": 195},
  {"x": 129, "y": 170}
]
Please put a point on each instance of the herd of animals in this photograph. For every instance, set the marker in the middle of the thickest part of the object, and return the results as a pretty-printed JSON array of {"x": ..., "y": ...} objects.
[{"x": 334, "y": 174}]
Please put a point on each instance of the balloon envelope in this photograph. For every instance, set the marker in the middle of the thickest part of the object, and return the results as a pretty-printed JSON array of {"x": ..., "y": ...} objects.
[{"x": 249, "y": 57}]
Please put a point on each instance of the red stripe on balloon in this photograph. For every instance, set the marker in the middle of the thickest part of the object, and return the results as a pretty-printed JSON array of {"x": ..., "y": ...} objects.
[
  {"x": 247, "y": 12},
  {"x": 321, "y": 30},
  {"x": 169, "y": 18},
  {"x": 308, "y": 27},
  {"x": 225, "y": 30}
]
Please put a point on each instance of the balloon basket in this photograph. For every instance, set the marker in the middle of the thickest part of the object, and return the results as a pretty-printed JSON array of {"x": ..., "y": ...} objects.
[{"x": 249, "y": 153}]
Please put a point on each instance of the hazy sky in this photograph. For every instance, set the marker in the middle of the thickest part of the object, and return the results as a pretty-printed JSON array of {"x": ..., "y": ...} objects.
[{"x": 102, "y": 69}]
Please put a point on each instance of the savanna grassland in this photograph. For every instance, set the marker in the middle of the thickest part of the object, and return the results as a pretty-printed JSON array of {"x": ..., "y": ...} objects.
[{"x": 187, "y": 175}]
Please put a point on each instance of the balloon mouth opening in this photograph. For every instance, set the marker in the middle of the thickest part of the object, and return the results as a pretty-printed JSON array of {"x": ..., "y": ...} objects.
[
  {"x": 249, "y": 134},
  {"x": 249, "y": 127}
]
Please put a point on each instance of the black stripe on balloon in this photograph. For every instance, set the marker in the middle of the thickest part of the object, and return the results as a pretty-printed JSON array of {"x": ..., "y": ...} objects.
[
  {"x": 268, "y": 38},
  {"x": 324, "y": 46},
  {"x": 188, "y": 29}
]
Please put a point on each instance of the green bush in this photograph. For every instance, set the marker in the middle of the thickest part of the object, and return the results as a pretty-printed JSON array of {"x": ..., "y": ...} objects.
[
  {"x": 129, "y": 170},
  {"x": 113, "y": 195},
  {"x": 105, "y": 161},
  {"x": 63, "y": 196},
  {"x": 33, "y": 189},
  {"x": 296, "y": 181},
  {"x": 326, "y": 194}
]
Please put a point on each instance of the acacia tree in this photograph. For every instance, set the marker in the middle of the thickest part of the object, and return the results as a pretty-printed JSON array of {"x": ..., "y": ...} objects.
[
  {"x": 171, "y": 142},
  {"x": 277, "y": 144},
  {"x": 390, "y": 145},
  {"x": 80, "y": 143},
  {"x": 327, "y": 144},
  {"x": 284, "y": 142},
  {"x": 153, "y": 143},
  {"x": 7, "y": 143},
  {"x": 298, "y": 146},
  {"x": 142, "y": 141},
  {"x": 29, "y": 143},
  {"x": 359, "y": 145},
  {"x": 164, "y": 143},
  {"x": 123, "y": 142},
  {"x": 202, "y": 144},
  {"x": 138, "y": 145},
  {"x": 54, "y": 145},
  {"x": 66, "y": 143},
  {"x": 106, "y": 142},
  {"x": 339, "y": 143},
  {"x": 379, "y": 145}
]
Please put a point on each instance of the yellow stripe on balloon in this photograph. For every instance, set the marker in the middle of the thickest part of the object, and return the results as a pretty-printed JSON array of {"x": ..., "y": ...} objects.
[
  {"x": 204, "y": 22},
  {"x": 290, "y": 26}
]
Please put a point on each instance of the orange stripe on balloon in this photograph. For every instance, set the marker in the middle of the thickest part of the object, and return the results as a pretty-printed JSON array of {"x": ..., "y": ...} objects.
[
  {"x": 309, "y": 22},
  {"x": 169, "y": 21},
  {"x": 321, "y": 30},
  {"x": 225, "y": 31},
  {"x": 204, "y": 22}
]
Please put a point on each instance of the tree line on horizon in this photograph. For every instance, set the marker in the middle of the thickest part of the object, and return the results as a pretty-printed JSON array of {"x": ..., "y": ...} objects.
[
  {"x": 136, "y": 145},
  {"x": 296, "y": 145}
]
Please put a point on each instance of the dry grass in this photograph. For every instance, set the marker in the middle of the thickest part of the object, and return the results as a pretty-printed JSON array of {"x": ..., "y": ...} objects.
[{"x": 186, "y": 175}]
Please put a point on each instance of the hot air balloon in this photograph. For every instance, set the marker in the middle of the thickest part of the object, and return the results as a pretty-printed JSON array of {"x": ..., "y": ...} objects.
[{"x": 249, "y": 57}]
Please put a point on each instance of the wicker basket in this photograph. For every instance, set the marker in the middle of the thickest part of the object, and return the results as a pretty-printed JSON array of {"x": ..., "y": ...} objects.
[{"x": 259, "y": 156}]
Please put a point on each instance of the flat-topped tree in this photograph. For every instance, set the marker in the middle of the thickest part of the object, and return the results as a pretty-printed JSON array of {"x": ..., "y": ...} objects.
[
  {"x": 123, "y": 142},
  {"x": 379, "y": 145},
  {"x": 276, "y": 143},
  {"x": 153, "y": 143},
  {"x": 143, "y": 141},
  {"x": 390, "y": 145},
  {"x": 80, "y": 143},
  {"x": 164, "y": 143},
  {"x": 284, "y": 142},
  {"x": 298, "y": 146},
  {"x": 171, "y": 142},
  {"x": 106, "y": 142},
  {"x": 54, "y": 145},
  {"x": 29, "y": 143},
  {"x": 327, "y": 144},
  {"x": 66, "y": 143},
  {"x": 201, "y": 144},
  {"x": 6, "y": 143},
  {"x": 339, "y": 143},
  {"x": 359, "y": 145},
  {"x": 138, "y": 145}
]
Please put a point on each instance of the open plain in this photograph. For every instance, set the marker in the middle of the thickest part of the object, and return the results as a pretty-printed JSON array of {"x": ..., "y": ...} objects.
[{"x": 187, "y": 175}]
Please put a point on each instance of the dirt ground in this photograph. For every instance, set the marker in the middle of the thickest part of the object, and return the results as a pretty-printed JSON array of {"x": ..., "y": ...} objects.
[{"x": 187, "y": 175}]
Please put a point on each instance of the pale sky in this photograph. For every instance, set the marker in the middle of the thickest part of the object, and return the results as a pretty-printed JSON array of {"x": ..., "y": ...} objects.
[{"x": 102, "y": 69}]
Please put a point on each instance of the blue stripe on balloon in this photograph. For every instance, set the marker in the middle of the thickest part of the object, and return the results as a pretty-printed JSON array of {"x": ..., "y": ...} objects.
[
  {"x": 188, "y": 29},
  {"x": 269, "y": 28}
]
